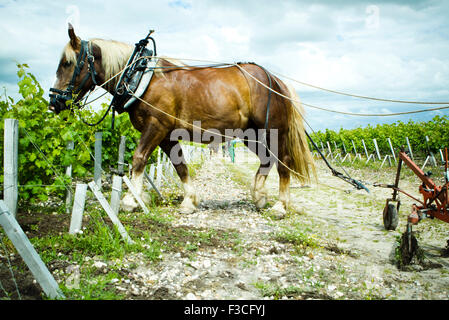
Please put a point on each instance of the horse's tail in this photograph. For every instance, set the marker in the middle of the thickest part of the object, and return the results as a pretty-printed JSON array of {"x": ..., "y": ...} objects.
[{"x": 297, "y": 147}]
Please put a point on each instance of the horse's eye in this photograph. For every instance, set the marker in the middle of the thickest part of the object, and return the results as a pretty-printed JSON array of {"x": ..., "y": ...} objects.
[{"x": 66, "y": 64}]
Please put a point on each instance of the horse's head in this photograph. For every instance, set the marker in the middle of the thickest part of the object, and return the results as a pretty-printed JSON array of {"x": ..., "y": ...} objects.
[{"x": 77, "y": 72}]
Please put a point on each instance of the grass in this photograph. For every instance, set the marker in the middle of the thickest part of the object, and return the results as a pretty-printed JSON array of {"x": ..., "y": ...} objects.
[
  {"x": 298, "y": 235},
  {"x": 276, "y": 291}
]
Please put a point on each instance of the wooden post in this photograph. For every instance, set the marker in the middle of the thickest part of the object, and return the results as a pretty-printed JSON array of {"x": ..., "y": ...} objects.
[
  {"x": 389, "y": 160},
  {"x": 377, "y": 149},
  {"x": 364, "y": 147},
  {"x": 425, "y": 162},
  {"x": 369, "y": 158},
  {"x": 151, "y": 183},
  {"x": 28, "y": 253},
  {"x": 10, "y": 162},
  {"x": 392, "y": 149},
  {"x": 116, "y": 194},
  {"x": 68, "y": 172},
  {"x": 100, "y": 197},
  {"x": 353, "y": 145},
  {"x": 134, "y": 193},
  {"x": 409, "y": 148},
  {"x": 158, "y": 156},
  {"x": 121, "y": 155},
  {"x": 97, "y": 168},
  {"x": 152, "y": 171},
  {"x": 432, "y": 157},
  {"x": 344, "y": 148},
  {"x": 330, "y": 150},
  {"x": 78, "y": 208}
]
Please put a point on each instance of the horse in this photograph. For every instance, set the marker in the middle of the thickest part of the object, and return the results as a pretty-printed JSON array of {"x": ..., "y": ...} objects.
[{"x": 234, "y": 98}]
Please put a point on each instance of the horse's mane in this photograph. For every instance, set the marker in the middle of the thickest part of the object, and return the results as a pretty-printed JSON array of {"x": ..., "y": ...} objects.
[{"x": 115, "y": 55}]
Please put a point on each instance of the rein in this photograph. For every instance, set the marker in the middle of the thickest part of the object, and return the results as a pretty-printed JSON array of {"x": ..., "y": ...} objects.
[{"x": 67, "y": 95}]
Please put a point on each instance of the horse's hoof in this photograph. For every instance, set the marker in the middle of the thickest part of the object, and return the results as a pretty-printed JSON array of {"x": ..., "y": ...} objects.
[
  {"x": 186, "y": 210},
  {"x": 187, "y": 206},
  {"x": 278, "y": 210},
  {"x": 128, "y": 203},
  {"x": 260, "y": 203}
]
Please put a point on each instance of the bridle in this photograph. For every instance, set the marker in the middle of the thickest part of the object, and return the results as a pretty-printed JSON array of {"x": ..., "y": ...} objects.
[{"x": 62, "y": 96}]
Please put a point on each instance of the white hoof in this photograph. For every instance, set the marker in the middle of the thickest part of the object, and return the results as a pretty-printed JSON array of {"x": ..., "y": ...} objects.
[
  {"x": 279, "y": 210},
  {"x": 260, "y": 202},
  {"x": 129, "y": 203},
  {"x": 146, "y": 198},
  {"x": 187, "y": 206},
  {"x": 259, "y": 198}
]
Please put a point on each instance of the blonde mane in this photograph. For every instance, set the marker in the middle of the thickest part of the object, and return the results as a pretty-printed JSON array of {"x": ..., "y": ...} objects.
[{"x": 114, "y": 56}]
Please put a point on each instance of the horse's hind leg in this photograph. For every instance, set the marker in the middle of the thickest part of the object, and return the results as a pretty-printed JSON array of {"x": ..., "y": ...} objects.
[
  {"x": 282, "y": 204},
  {"x": 174, "y": 152},
  {"x": 258, "y": 191}
]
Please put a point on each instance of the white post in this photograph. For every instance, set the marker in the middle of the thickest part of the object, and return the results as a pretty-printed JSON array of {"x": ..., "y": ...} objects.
[
  {"x": 432, "y": 157},
  {"x": 100, "y": 197},
  {"x": 364, "y": 147},
  {"x": 68, "y": 172},
  {"x": 97, "y": 168},
  {"x": 377, "y": 149},
  {"x": 151, "y": 183},
  {"x": 10, "y": 162},
  {"x": 78, "y": 208},
  {"x": 330, "y": 150},
  {"x": 134, "y": 193},
  {"x": 409, "y": 148},
  {"x": 152, "y": 168},
  {"x": 344, "y": 147},
  {"x": 369, "y": 158},
  {"x": 425, "y": 162},
  {"x": 28, "y": 253},
  {"x": 121, "y": 155},
  {"x": 159, "y": 175},
  {"x": 116, "y": 193},
  {"x": 353, "y": 145},
  {"x": 392, "y": 149}
]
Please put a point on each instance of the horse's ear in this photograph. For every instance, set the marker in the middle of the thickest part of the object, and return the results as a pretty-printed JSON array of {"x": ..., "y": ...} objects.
[{"x": 75, "y": 41}]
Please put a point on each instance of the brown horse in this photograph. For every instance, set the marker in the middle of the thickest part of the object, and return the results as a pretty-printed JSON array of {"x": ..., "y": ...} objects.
[{"x": 222, "y": 100}]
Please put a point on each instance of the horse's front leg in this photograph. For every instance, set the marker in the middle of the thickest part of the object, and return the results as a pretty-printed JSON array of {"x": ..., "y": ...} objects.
[
  {"x": 149, "y": 140},
  {"x": 174, "y": 152}
]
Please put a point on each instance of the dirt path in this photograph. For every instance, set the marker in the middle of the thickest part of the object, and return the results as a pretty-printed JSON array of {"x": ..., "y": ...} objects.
[{"x": 331, "y": 246}]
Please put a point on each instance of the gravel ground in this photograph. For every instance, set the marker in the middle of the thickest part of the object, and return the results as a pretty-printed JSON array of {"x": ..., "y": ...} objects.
[{"x": 332, "y": 245}]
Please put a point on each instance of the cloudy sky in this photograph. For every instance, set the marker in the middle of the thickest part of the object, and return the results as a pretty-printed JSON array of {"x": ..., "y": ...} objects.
[{"x": 387, "y": 49}]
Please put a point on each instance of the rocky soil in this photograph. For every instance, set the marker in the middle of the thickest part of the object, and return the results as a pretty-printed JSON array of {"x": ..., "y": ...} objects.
[{"x": 331, "y": 245}]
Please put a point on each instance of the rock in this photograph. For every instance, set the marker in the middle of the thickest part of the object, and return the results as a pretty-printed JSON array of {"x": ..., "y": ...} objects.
[
  {"x": 100, "y": 265},
  {"x": 191, "y": 296}
]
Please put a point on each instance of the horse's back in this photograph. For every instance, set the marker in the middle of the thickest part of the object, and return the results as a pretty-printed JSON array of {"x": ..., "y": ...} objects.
[{"x": 218, "y": 97}]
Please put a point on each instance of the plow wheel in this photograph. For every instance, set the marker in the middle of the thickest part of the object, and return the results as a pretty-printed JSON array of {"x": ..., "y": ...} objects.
[
  {"x": 390, "y": 217},
  {"x": 409, "y": 249}
]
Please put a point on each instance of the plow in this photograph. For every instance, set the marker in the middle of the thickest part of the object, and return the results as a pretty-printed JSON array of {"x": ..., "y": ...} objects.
[{"x": 434, "y": 203}]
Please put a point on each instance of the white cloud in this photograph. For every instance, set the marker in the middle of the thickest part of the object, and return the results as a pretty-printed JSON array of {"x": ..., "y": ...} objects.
[{"x": 393, "y": 49}]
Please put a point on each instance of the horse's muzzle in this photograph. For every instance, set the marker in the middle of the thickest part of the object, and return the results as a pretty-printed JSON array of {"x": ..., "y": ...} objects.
[{"x": 58, "y": 100}]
